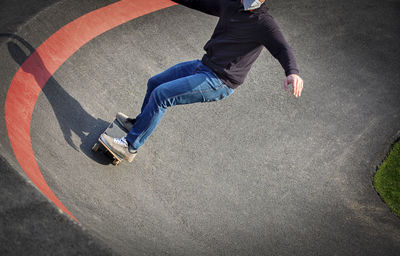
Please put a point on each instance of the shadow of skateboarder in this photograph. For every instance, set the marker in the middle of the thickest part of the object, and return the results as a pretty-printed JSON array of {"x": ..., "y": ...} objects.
[{"x": 71, "y": 116}]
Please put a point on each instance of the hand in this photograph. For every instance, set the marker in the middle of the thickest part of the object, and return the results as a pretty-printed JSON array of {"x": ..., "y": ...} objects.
[{"x": 297, "y": 83}]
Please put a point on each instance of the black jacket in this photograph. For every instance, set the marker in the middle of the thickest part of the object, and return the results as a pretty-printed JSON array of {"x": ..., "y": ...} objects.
[{"x": 238, "y": 39}]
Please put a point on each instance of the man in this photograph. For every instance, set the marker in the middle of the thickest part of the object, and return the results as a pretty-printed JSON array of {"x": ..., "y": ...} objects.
[{"x": 243, "y": 30}]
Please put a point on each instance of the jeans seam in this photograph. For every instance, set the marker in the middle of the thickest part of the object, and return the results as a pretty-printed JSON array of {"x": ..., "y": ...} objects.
[{"x": 188, "y": 93}]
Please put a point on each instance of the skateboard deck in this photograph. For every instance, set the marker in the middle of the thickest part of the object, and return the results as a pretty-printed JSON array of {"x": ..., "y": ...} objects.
[{"x": 115, "y": 130}]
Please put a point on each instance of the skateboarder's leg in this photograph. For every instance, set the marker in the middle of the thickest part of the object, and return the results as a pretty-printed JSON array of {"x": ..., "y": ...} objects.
[
  {"x": 179, "y": 70},
  {"x": 203, "y": 86}
]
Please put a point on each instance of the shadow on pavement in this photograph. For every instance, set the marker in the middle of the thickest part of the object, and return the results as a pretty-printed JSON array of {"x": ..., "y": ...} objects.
[{"x": 70, "y": 114}]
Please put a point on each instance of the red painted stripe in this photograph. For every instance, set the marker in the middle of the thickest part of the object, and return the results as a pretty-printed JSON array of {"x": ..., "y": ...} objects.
[{"x": 41, "y": 65}]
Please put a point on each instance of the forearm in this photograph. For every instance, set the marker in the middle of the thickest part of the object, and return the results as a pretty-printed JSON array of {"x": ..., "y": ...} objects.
[
  {"x": 281, "y": 50},
  {"x": 206, "y": 6},
  {"x": 277, "y": 45},
  {"x": 288, "y": 61}
]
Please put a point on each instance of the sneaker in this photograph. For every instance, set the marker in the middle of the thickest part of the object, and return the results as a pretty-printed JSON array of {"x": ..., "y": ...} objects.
[
  {"x": 119, "y": 146},
  {"x": 126, "y": 122}
]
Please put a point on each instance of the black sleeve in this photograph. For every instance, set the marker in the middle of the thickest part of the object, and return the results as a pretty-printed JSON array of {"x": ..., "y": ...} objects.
[
  {"x": 211, "y": 7},
  {"x": 273, "y": 39}
]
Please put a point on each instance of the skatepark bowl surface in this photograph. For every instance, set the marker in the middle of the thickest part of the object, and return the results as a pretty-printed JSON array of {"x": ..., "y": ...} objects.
[{"x": 259, "y": 173}]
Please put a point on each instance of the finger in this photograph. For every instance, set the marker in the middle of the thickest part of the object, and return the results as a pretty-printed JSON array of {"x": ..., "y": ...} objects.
[
  {"x": 296, "y": 88},
  {"x": 293, "y": 89},
  {"x": 301, "y": 88},
  {"x": 285, "y": 84}
]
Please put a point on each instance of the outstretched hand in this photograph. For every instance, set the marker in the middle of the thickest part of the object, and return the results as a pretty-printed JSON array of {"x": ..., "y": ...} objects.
[{"x": 297, "y": 83}]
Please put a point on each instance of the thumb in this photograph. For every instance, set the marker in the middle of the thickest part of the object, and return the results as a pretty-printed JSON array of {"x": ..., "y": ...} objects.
[{"x": 286, "y": 84}]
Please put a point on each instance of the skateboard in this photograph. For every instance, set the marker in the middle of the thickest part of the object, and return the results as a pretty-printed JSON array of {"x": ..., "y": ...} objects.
[{"x": 115, "y": 130}]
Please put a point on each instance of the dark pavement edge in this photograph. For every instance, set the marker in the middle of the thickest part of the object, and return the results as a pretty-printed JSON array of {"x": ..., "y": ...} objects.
[{"x": 30, "y": 224}]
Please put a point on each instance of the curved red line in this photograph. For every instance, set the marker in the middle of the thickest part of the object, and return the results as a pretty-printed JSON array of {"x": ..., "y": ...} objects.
[{"x": 41, "y": 65}]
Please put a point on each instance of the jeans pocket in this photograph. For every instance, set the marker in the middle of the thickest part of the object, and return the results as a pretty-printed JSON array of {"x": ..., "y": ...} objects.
[
  {"x": 220, "y": 93},
  {"x": 227, "y": 91},
  {"x": 217, "y": 84}
]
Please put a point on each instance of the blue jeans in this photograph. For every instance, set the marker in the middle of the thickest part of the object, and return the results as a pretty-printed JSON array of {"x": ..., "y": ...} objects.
[{"x": 184, "y": 83}]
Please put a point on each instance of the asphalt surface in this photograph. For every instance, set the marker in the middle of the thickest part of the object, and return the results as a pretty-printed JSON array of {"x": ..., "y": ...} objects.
[{"x": 259, "y": 173}]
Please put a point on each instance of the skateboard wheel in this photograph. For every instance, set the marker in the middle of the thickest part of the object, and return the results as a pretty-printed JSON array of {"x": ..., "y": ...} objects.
[
  {"x": 96, "y": 147},
  {"x": 115, "y": 162}
]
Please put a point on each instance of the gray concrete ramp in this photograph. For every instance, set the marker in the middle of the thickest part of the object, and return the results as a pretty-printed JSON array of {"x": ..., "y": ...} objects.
[{"x": 259, "y": 173}]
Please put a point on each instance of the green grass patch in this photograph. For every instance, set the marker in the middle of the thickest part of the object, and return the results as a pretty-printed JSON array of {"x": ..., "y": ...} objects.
[{"x": 387, "y": 179}]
